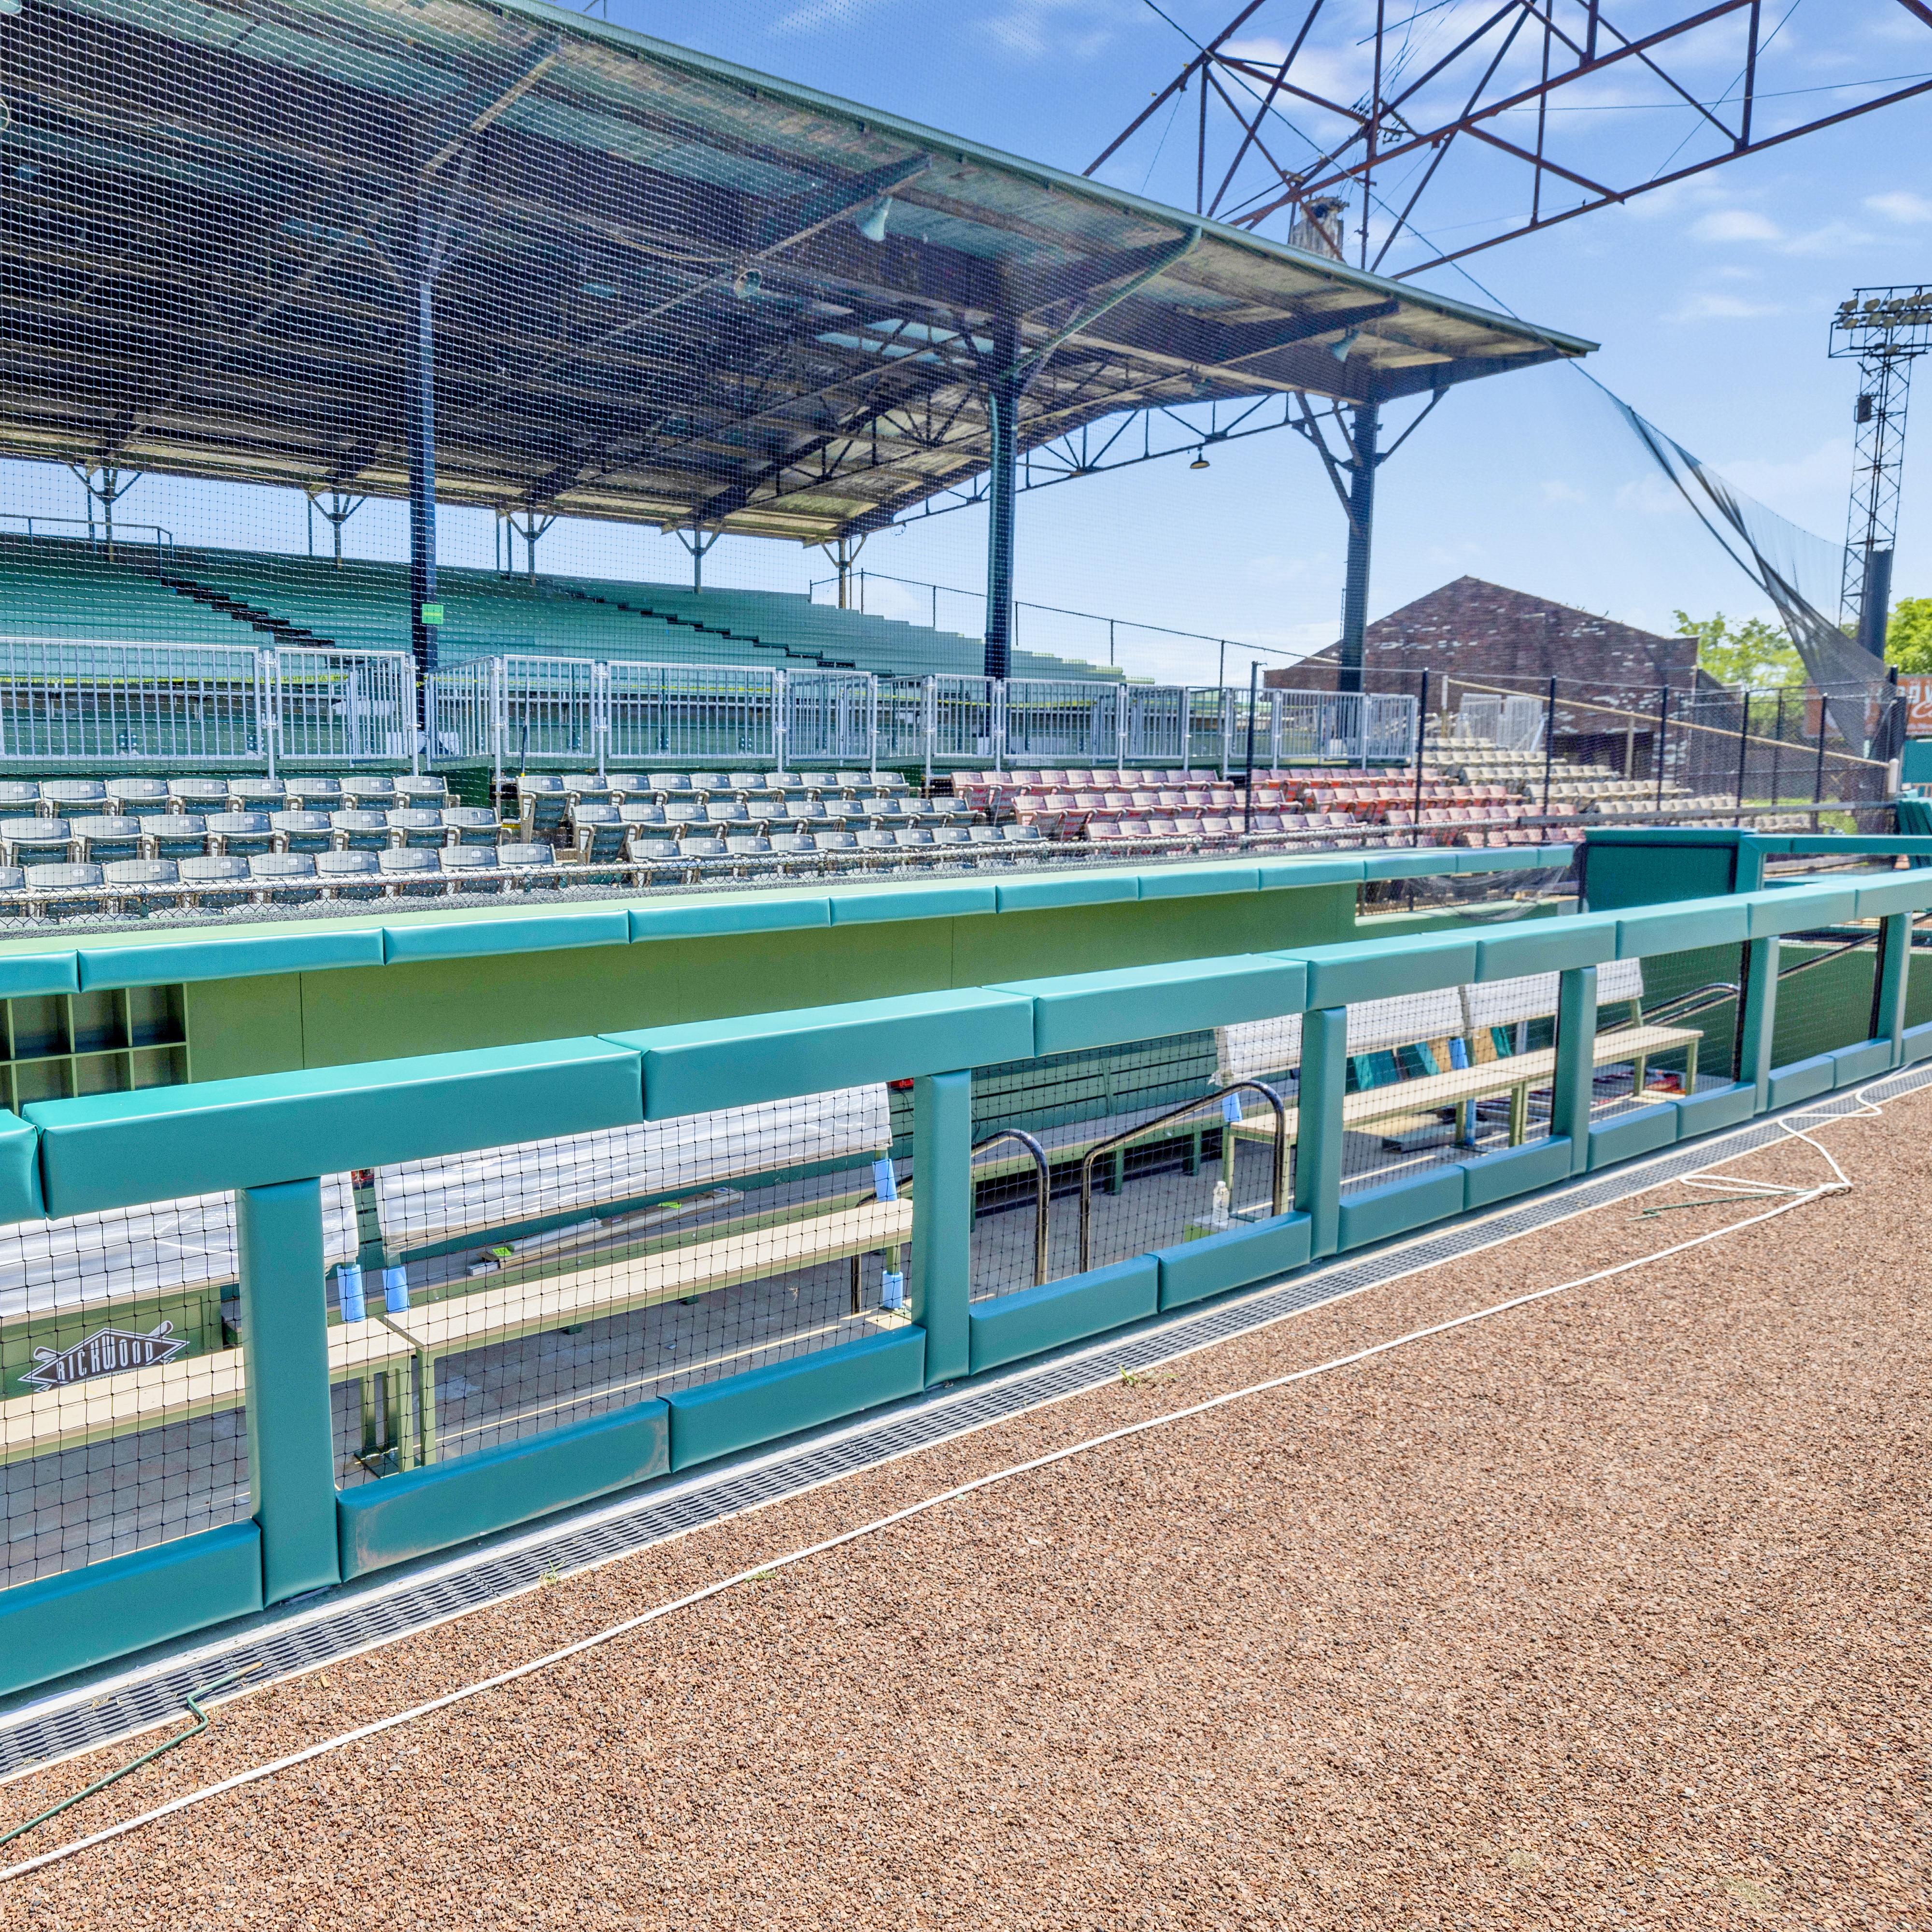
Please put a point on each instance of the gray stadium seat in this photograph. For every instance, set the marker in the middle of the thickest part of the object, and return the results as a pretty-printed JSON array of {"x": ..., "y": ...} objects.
[
  {"x": 213, "y": 881},
  {"x": 748, "y": 845},
  {"x": 876, "y": 842},
  {"x": 817, "y": 785},
  {"x": 683, "y": 811},
  {"x": 268, "y": 795},
  {"x": 597, "y": 832},
  {"x": 240, "y": 835},
  {"x": 586, "y": 788},
  {"x": 132, "y": 798},
  {"x": 66, "y": 891},
  {"x": 19, "y": 797},
  {"x": 96, "y": 840},
  {"x": 629, "y": 785},
  {"x": 302, "y": 831},
  {"x": 370, "y": 792},
  {"x": 141, "y": 880},
  {"x": 360, "y": 831},
  {"x": 290, "y": 878},
  {"x": 29, "y": 841},
  {"x": 417, "y": 828},
  {"x": 701, "y": 851},
  {"x": 917, "y": 836},
  {"x": 837, "y": 842},
  {"x": 727, "y": 812},
  {"x": 472, "y": 824},
  {"x": 667, "y": 786},
  {"x": 758, "y": 786},
  {"x": 538, "y": 861},
  {"x": 203, "y": 797},
  {"x": 429, "y": 793},
  {"x": 540, "y": 803},
  {"x": 712, "y": 784},
  {"x": 470, "y": 868},
  {"x": 172, "y": 835},
  {"x": 806, "y": 813},
  {"x": 856, "y": 781},
  {"x": 315, "y": 794},
  {"x": 638, "y": 812},
  {"x": 952, "y": 835},
  {"x": 73, "y": 798},
  {"x": 349, "y": 875},
  {"x": 1021, "y": 835},
  {"x": 792, "y": 846},
  {"x": 413, "y": 873}
]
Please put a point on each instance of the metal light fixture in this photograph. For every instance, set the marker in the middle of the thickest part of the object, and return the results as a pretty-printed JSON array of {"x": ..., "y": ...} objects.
[
  {"x": 1339, "y": 349},
  {"x": 747, "y": 284},
  {"x": 1201, "y": 460},
  {"x": 872, "y": 223}
]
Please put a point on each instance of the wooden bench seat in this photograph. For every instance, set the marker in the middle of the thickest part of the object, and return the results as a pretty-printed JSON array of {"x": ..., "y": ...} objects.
[{"x": 108, "y": 1405}]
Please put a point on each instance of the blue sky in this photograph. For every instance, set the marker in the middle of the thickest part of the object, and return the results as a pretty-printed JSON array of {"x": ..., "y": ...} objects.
[{"x": 1710, "y": 299}]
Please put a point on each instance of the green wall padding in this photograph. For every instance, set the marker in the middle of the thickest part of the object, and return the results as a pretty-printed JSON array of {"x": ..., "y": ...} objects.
[
  {"x": 1865, "y": 1061},
  {"x": 109, "y": 1150},
  {"x": 1011, "y": 1326},
  {"x": 27, "y": 975},
  {"x": 955, "y": 899},
  {"x": 1367, "y": 969},
  {"x": 1191, "y": 1271},
  {"x": 1092, "y": 1009},
  {"x": 447, "y": 938},
  {"x": 20, "y": 1170},
  {"x": 1796, "y": 908},
  {"x": 408, "y": 1516},
  {"x": 736, "y": 1063},
  {"x": 730, "y": 912},
  {"x": 1910, "y": 891},
  {"x": 1544, "y": 946},
  {"x": 1380, "y": 1213},
  {"x": 1066, "y": 888},
  {"x": 174, "y": 961},
  {"x": 1721, "y": 1107},
  {"x": 713, "y": 1421},
  {"x": 1501, "y": 1177},
  {"x": 1629, "y": 1135},
  {"x": 1918, "y": 1045},
  {"x": 1681, "y": 928},
  {"x": 122, "y": 1603},
  {"x": 1801, "y": 1080}
]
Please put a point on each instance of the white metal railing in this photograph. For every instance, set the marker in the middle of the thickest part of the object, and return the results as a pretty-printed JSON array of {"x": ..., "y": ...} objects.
[{"x": 85, "y": 701}]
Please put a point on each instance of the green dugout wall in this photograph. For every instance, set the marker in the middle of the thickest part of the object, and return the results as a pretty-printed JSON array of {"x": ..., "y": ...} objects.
[{"x": 270, "y": 1134}]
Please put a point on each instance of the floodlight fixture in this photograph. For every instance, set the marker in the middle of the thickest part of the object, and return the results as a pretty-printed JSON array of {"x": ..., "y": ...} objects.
[{"x": 872, "y": 223}]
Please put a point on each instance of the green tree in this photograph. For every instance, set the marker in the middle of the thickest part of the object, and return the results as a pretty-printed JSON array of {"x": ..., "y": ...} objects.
[
  {"x": 1908, "y": 634},
  {"x": 1753, "y": 653}
]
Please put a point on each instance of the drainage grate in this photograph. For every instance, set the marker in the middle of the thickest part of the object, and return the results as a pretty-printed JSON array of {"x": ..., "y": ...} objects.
[{"x": 117, "y": 1702}]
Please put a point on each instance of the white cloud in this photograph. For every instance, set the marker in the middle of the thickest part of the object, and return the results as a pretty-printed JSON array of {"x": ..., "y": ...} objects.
[
  {"x": 1825, "y": 471},
  {"x": 1901, "y": 205},
  {"x": 1035, "y": 28},
  {"x": 1555, "y": 490},
  {"x": 1709, "y": 307},
  {"x": 1736, "y": 224}
]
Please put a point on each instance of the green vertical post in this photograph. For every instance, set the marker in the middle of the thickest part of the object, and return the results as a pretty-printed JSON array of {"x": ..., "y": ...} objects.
[
  {"x": 941, "y": 1286},
  {"x": 291, "y": 1435},
  {"x": 1318, "y": 1128},
  {"x": 1760, "y": 1017},
  {"x": 1575, "y": 1076},
  {"x": 1894, "y": 966}
]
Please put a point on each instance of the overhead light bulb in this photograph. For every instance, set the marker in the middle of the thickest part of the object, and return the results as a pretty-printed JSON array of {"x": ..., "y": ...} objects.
[
  {"x": 1201, "y": 460},
  {"x": 747, "y": 284},
  {"x": 872, "y": 223}
]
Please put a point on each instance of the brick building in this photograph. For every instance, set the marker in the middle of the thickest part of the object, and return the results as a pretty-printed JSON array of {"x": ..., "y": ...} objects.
[{"x": 1471, "y": 634}]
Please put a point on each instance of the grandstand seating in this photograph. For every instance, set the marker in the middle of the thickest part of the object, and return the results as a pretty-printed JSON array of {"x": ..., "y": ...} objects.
[{"x": 64, "y": 587}]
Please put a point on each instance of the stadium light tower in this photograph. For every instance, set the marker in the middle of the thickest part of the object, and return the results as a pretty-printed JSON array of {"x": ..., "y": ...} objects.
[{"x": 1886, "y": 331}]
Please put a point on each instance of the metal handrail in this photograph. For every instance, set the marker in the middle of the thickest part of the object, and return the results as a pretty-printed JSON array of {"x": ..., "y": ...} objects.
[
  {"x": 1694, "y": 1001},
  {"x": 1043, "y": 1193},
  {"x": 1278, "y": 1190}
]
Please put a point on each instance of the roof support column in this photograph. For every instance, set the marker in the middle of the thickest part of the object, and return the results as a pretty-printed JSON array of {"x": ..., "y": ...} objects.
[
  {"x": 1004, "y": 387},
  {"x": 419, "y": 403},
  {"x": 1366, "y": 426}
]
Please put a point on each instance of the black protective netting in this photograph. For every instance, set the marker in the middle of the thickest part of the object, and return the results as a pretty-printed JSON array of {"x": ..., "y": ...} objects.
[{"x": 503, "y": 1293}]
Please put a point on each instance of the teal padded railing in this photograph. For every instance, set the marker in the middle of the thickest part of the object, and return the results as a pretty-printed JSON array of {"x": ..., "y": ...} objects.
[{"x": 271, "y": 1136}]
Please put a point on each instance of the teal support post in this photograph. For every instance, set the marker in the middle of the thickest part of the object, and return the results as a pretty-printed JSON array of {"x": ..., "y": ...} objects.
[
  {"x": 1576, "y": 1061},
  {"x": 942, "y": 1221},
  {"x": 1894, "y": 966},
  {"x": 1760, "y": 1018},
  {"x": 291, "y": 1438},
  {"x": 1318, "y": 1130}
]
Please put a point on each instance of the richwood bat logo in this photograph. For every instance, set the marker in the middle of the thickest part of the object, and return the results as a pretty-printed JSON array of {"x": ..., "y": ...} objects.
[{"x": 107, "y": 1352}]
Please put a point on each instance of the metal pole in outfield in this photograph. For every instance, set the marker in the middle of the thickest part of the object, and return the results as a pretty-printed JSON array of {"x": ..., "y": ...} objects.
[
  {"x": 1003, "y": 408},
  {"x": 1366, "y": 424},
  {"x": 1421, "y": 730},
  {"x": 1663, "y": 737},
  {"x": 1248, "y": 794},
  {"x": 1549, "y": 744}
]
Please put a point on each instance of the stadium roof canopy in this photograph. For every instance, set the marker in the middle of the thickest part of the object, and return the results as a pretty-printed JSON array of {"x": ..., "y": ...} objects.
[{"x": 664, "y": 289}]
